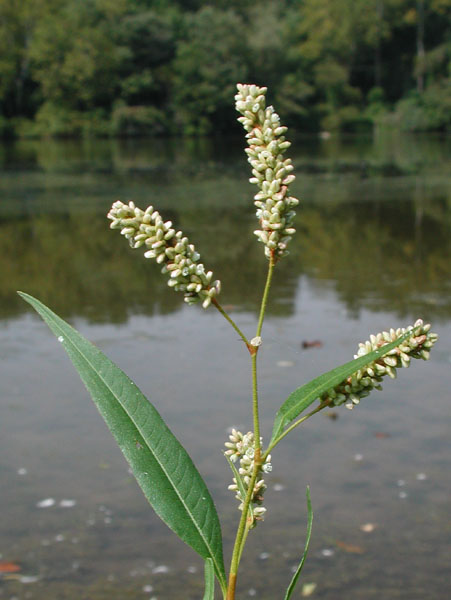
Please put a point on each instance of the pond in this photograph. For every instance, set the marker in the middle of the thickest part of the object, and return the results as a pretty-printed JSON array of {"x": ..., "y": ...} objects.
[{"x": 373, "y": 251}]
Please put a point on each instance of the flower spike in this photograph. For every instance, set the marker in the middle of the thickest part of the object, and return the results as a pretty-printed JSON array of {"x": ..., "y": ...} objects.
[
  {"x": 241, "y": 446},
  {"x": 360, "y": 383},
  {"x": 271, "y": 173},
  {"x": 169, "y": 248}
]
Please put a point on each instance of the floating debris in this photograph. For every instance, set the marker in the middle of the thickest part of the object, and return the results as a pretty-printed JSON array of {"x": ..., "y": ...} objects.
[
  {"x": 332, "y": 415},
  {"x": 308, "y": 589},
  {"x": 350, "y": 548},
  {"x": 22, "y": 471},
  {"x": 46, "y": 503},
  {"x": 368, "y": 527},
  {"x": 381, "y": 435},
  {"x": 285, "y": 363},
  {"x": 28, "y": 578},
  {"x": 9, "y": 567},
  {"x": 160, "y": 569},
  {"x": 327, "y": 552},
  {"x": 67, "y": 503},
  {"x": 306, "y": 344}
]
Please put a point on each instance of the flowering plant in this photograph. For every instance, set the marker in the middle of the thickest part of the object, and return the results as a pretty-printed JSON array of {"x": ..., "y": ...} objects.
[{"x": 160, "y": 464}]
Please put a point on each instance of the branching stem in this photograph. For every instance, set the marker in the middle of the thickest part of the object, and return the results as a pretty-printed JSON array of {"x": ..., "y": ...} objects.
[{"x": 231, "y": 321}]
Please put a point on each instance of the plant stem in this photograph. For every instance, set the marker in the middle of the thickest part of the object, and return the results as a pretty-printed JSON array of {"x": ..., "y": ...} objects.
[
  {"x": 241, "y": 533},
  {"x": 272, "y": 262},
  {"x": 230, "y": 320},
  {"x": 244, "y": 524},
  {"x": 243, "y": 541},
  {"x": 255, "y": 414},
  {"x": 256, "y": 419}
]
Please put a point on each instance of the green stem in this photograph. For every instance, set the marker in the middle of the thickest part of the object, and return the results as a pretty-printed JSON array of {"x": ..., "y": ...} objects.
[
  {"x": 231, "y": 321},
  {"x": 244, "y": 524},
  {"x": 272, "y": 262},
  {"x": 257, "y": 448},
  {"x": 257, "y": 445},
  {"x": 243, "y": 541},
  {"x": 241, "y": 533}
]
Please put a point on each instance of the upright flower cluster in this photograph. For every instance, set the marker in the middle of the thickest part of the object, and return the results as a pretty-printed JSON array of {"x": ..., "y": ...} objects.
[
  {"x": 271, "y": 173},
  {"x": 241, "y": 446},
  {"x": 169, "y": 248},
  {"x": 361, "y": 383}
]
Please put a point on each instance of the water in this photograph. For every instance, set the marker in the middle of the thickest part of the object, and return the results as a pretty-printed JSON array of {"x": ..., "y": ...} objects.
[{"x": 372, "y": 251}]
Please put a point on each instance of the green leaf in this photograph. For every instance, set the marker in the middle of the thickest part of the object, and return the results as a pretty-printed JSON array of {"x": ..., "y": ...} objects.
[
  {"x": 307, "y": 542},
  {"x": 209, "y": 593},
  {"x": 162, "y": 467},
  {"x": 305, "y": 395}
]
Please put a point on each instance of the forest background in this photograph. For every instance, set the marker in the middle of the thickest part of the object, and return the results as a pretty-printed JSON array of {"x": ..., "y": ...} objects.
[{"x": 162, "y": 67}]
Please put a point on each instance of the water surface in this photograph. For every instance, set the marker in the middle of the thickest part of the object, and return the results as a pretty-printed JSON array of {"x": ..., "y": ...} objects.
[{"x": 372, "y": 251}]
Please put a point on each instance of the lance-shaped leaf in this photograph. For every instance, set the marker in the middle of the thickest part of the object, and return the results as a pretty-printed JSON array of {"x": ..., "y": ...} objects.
[
  {"x": 305, "y": 395},
  {"x": 162, "y": 467},
  {"x": 209, "y": 590},
  {"x": 295, "y": 578}
]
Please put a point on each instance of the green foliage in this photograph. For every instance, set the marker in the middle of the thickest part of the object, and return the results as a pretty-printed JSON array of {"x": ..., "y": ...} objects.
[
  {"x": 55, "y": 120},
  {"x": 6, "y": 128},
  {"x": 430, "y": 111},
  {"x": 77, "y": 71},
  {"x": 174, "y": 64},
  {"x": 161, "y": 466},
  {"x": 148, "y": 41},
  {"x": 135, "y": 121},
  {"x": 208, "y": 64}
]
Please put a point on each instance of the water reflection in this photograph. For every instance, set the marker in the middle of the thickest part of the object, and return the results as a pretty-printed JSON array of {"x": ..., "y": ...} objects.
[{"x": 384, "y": 254}]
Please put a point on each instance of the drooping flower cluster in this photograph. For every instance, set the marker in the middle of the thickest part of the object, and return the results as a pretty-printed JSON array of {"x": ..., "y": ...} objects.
[
  {"x": 241, "y": 446},
  {"x": 271, "y": 173},
  {"x": 169, "y": 248},
  {"x": 361, "y": 383}
]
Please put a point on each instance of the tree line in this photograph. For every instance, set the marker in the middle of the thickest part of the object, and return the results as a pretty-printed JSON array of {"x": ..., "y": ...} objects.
[{"x": 169, "y": 67}]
